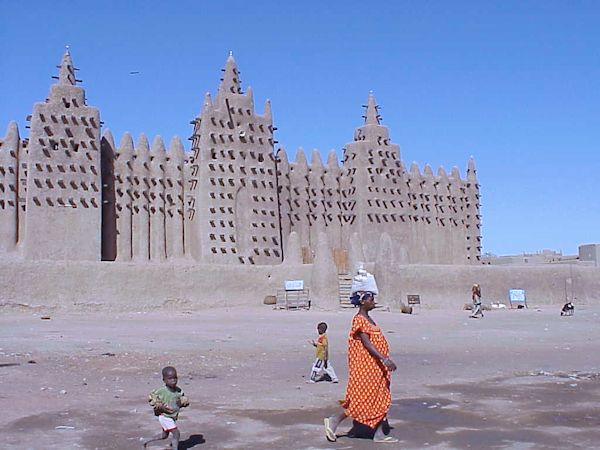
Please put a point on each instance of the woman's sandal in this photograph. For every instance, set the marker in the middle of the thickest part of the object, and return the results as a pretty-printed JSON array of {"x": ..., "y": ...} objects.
[
  {"x": 385, "y": 440},
  {"x": 329, "y": 433}
]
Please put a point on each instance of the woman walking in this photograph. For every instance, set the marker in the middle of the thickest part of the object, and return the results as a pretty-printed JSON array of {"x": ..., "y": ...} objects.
[
  {"x": 368, "y": 395},
  {"x": 476, "y": 297}
]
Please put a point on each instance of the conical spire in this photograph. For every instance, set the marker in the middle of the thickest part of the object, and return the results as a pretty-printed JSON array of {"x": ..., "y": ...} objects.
[
  {"x": 142, "y": 144},
  {"x": 66, "y": 74},
  {"x": 316, "y": 162},
  {"x": 176, "y": 149},
  {"x": 230, "y": 83},
  {"x": 11, "y": 140},
  {"x": 108, "y": 137},
  {"x": 250, "y": 97},
  {"x": 293, "y": 250},
  {"x": 372, "y": 113},
  {"x": 126, "y": 145},
  {"x": 323, "y": 286},
  {"x": 301, "y": 159},
  {"x": 126, "y": 152},
  {"x": 427, "y": 172},
  {"x": 442, "y": 174},
  {"x": 471, "y": 171},
  {"x": 268, "y": 114},
  {"x": 414, "y": 169},
  {"x": 282, "y": 155},
  {"x": 158, "y": 146},
  {"x": 332, "y": 160}
]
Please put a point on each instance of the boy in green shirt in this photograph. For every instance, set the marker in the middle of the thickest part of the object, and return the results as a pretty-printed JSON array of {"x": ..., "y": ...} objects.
[{"x": 167, "y": 401}]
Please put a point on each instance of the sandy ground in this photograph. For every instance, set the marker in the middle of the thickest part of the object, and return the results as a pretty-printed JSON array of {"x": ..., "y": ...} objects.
[{"x": 517, "y": 379}]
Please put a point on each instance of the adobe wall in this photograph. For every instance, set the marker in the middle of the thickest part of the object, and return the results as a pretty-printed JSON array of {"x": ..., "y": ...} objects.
[
  {"x": 450, "y": 286},
  {"x": 138, "y": 287}
]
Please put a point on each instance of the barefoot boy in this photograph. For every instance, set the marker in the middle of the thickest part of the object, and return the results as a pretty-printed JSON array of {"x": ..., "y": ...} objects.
[
  {"x": 322, "y": 363},
  {"x": 167, "y": 401}
]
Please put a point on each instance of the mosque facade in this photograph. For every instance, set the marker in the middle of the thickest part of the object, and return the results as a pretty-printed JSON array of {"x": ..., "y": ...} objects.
[{"x": 69, "y": 192}]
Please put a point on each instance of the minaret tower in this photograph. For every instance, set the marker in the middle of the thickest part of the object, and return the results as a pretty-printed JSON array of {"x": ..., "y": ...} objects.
[
  {"x": 63, "y": 196},
  {"x": 369, "y": 180},
  {"x": 232, "y": 202}
]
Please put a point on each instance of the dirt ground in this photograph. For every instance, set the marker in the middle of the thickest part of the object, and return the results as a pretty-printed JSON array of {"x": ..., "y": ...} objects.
[{"x": 516, "y": 379}]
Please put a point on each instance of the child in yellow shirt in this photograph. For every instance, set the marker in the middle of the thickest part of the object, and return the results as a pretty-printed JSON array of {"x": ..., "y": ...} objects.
[{"x": 322, "y": 366}]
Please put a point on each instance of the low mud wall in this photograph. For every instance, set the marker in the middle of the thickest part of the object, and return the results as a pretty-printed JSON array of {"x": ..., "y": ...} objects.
[
  {"x": 127, "y": 286},
  {"x": 450, "y": 286}
]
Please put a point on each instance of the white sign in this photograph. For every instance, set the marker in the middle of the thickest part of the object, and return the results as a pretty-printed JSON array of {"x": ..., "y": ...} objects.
[
  {"x": 294, "y": 285},
  {"x": 516, "y": 295}
]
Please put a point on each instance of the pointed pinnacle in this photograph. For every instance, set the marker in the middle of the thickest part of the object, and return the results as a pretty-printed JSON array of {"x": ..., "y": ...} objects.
[
  {"x": 143, "y": 147},
  {"x": 158, "y": 145},
  {"x": 301, "y": 158},
  {"x": 66, "y": 74},
  {"x": 176, "y": 147},
  {"x": 471, "y": 171},
  {"x": 126, "y": 145},
  {"x": 282, "y": 155},
  {"x": 268, "y": 113},
  {"x": 230, "y": 83},
  {"x": 316, "y": 162},
  {"x": 108, "y": 137},
  {"x": 332, "y": 160},
  {"x": 12, "y": 135},
  {"x": 372, "y": 117}
]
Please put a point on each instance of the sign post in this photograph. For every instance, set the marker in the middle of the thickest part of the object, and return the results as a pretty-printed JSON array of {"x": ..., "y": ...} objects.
[
  {"x": 414, "y": 299},
  {"x": 518, "y": 297}
]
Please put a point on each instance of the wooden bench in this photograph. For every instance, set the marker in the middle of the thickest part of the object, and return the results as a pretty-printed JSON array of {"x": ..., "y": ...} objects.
[{"x": 296, "y": 299}]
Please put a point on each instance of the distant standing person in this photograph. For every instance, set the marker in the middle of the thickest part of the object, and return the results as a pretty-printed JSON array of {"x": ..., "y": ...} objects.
[
  {"x": 368, "y": 396},
  {"x": 476, "y": 297},
  {"x": 322, "y": 364},
  {"x": 167, "y": 401}
]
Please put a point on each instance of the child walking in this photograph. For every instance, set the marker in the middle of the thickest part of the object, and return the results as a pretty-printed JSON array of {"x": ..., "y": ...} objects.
[
  {"x": 167, "y": 401},
  {"x": 322, "y": 365}
]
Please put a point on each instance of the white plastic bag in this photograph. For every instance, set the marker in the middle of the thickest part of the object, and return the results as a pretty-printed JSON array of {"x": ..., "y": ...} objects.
[{"x": 363, "y": 282}]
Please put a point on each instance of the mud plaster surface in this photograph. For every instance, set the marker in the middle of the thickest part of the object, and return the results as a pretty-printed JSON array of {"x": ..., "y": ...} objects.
[{"x": 525, "y": 379}]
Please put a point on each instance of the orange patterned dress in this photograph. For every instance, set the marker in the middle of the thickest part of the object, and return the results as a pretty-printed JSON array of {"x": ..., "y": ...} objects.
[{"x": 368, "y": 395}]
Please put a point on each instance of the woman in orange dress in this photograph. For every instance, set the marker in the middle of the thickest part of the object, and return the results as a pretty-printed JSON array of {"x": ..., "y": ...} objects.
[{"x": 368, "y": 395}]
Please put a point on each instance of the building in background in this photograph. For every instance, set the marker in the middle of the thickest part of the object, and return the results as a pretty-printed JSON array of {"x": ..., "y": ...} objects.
[{"x": 590, "y": 254}]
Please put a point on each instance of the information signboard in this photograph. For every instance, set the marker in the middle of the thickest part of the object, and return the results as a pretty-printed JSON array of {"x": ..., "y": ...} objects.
[
  {"x": 413, "y": 299},
  {"x": 517, "y": 296},
  {"x": 294, "y": 285}
]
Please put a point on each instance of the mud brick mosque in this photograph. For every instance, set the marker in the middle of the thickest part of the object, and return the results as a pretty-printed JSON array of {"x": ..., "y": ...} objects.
[
  {"x": 68, "y": 192},
  {"x": 86, "y": 222}
]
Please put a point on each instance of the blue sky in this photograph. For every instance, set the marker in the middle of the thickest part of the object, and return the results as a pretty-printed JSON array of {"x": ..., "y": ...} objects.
[{"x": 515, "y": 84}]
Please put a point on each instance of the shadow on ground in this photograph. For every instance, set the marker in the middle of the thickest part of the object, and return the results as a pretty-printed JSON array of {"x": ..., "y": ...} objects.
[{"x": 517, "y": 412}]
